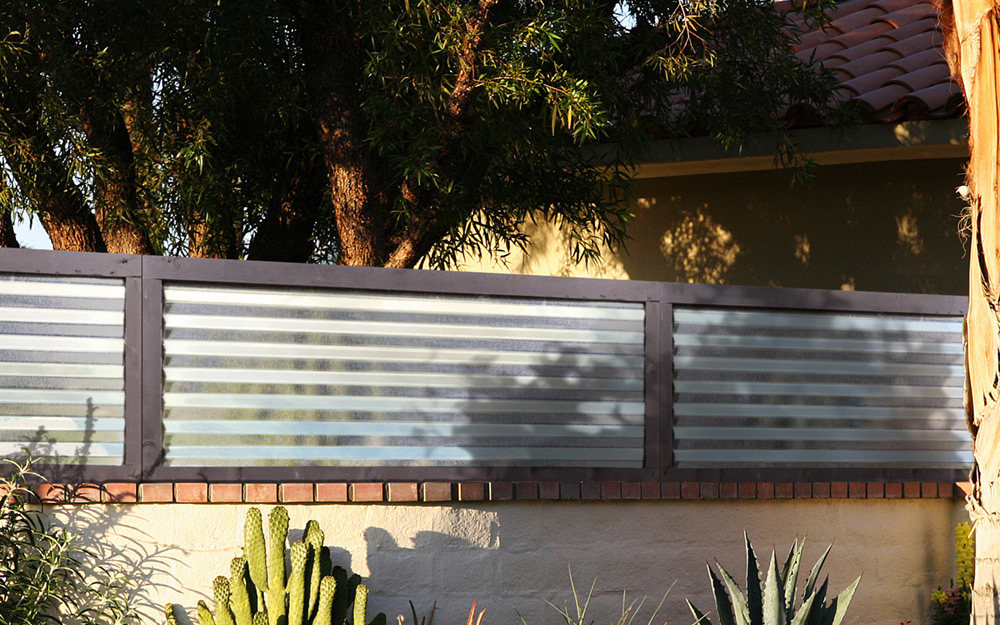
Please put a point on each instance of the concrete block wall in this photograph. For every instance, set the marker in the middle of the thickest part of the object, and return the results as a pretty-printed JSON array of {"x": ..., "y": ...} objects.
[{"x": 509, "y": 546}]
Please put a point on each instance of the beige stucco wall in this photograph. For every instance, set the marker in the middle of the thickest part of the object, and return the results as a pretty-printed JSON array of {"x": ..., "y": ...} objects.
[
  {"x": 868, "y": 226},
  {"x": 512, "y": 556}
]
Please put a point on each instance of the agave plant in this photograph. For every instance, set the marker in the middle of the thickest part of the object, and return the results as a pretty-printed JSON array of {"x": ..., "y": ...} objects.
[{"x": 775, "y": 602}]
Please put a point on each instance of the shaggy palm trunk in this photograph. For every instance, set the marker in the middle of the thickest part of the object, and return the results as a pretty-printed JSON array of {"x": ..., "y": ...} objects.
[{"x": 972, "y": 30}]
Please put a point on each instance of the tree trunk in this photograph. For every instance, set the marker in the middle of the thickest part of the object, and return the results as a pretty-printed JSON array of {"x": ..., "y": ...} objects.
[
  {"x": 115, "y": 195},
  {"x": 285, "y": 234},
  {"x": 972, "y": 33},
  {"x": 333, "y": 75}
]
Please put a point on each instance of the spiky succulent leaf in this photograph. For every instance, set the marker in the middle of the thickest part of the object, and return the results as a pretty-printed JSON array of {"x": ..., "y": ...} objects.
[
  {"x": 740, "y": 609},
  {"x": 814, "y": 573},
  {"x": 790, "y": 576},
  {"x": 802, "y": 617},
  {"x": 723, "y": 606},
  {"x": 260, "y": 618},
  {"x": 204, "y": 614},
  {"x": 700, "y": 618},
  {"x": 222, "y": 594},
  {"x": 361, "y": 605},
  {"x": 255, "y": 551},
  {"x": 297, "y": 583},
  {"x": 324, "y": 605},
  {"x": 774, "y": 596},
  {"x": 818, "y": 613},
  {"x": 755, "y": 600},
  {"x": 239, "y": 599},
  {"x": 839, "y": 605}
]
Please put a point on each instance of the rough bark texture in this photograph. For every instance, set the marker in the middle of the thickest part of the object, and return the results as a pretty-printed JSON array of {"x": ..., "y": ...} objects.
[
  {"x": 59, "y": 205},
  {"x": 972, "y": 32},
  {"x": 333, "y": 76},
  {"x": 117, "y": 203}
]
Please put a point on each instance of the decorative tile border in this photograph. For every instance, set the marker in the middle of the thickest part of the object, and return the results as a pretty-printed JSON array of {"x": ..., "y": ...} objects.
[{"x": 438, "y": 492}]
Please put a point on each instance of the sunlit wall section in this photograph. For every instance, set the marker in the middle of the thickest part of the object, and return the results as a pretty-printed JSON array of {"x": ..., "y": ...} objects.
[
  {"x": 764, "y": 388},
  {"x": 62, "y": 368},
  {"x": 258, "y": 377}
]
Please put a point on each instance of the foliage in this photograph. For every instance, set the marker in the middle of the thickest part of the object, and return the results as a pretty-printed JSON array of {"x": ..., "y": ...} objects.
[
  {"x": 45, "y": 575},
  {"x": 774, "y": 603},
  {"x": 420, "y": 129},
  {"x": 953, "y": 606},
  {"x": 629, "y": 609},
  {"x": 258, "y": 591}
]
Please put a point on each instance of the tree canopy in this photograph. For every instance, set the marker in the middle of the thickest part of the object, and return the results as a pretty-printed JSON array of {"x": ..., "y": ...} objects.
[{"x": 368, "y": 133}]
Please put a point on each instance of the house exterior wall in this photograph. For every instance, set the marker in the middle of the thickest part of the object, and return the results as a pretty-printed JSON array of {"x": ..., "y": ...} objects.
[
  {"x": 513, "y": 556},
  {"x": 889, "y": 226}
]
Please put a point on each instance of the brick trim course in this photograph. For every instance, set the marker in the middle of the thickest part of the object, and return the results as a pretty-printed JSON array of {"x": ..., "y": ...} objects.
[{"x": 438, "y": 492}]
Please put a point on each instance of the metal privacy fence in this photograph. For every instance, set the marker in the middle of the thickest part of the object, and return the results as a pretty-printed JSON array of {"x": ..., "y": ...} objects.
[{"x": 124, "y": 367}]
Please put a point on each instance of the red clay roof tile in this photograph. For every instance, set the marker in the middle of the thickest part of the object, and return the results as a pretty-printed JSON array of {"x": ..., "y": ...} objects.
[{"x": 887, "y": 55}]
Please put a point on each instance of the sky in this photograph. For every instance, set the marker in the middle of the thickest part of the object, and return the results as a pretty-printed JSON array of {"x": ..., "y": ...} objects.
[{"x": 32, "y": 235}]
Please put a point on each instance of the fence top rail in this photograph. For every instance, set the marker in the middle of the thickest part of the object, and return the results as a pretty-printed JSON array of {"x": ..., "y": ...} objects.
[{"x": 259, "y": 273}]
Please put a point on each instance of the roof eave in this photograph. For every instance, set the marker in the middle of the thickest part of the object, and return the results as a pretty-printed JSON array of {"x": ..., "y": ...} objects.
[{"x": 925, "y": 139}]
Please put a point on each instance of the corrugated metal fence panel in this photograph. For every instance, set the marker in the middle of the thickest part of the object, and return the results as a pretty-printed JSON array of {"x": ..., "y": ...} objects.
[
  {"x": 62, "y": 368},
  {"x": 259, "y": 377},
  {"x": 762, "y": 388}
]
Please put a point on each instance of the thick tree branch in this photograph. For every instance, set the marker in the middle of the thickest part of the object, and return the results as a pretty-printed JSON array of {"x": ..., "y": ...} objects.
[
  {"x": 424, "y": 227},
  {"x": 7, "y": 236},
  {"x": 285, "y": 234}
]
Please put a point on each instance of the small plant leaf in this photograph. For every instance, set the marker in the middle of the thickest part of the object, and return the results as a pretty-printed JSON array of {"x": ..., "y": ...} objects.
[
  {"x": 740, "y": 610},
  {"x": 790, "y": 576},
  {"x": 842, "y": 602},
  {"x": 774, "y": 596},
  {"x": 814, "y": 573},
  {"x": 818, "y": 613},
  {"x": 723, "y": 606},
  {"x": 700, "y": 618},
  {"x": 802, "y": 616},
  {"x": 755, "y": 601}
]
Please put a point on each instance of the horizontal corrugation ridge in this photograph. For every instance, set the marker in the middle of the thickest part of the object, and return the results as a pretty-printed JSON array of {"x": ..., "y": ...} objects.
[
  {"x": 62, "y": 368},
  {"x": 264, "y": 377},
  {"x": 785, "y": 389}
]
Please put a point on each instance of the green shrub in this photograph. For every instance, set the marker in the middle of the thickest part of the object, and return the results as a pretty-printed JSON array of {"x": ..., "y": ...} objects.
[{"x": 45, "y": 573}]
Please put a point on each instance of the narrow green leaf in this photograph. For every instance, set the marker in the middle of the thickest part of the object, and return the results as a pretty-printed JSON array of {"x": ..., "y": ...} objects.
[
  {"x": 755, "y": 602},
  {"x": 843, "y": 601},
  {"x": 774, "y": 595},
  {"x": 790, "y": 576},
  {"x": 814, "y": 573},
  {"x": 802, "y": 616},
  {"x": 723, "y": 606},
  {"x": 740, "y": 611},
  {"x": 700, "y": 618}
]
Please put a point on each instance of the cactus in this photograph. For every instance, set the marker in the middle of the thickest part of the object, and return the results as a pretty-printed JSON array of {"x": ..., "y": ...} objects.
[
  {"x": 297, "y": 583},
  {"x": 324, "y": 605},
  {"x": 204, "y": 614},
  {"x": 774, "y": 604},
  {"x": 314, "y": 538},
  {"x": 239, "y": 599},
  {"x": 277, "y": 525},
  {"x": 317, "y": 592},
  {"x": 255, "y": 552}
]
